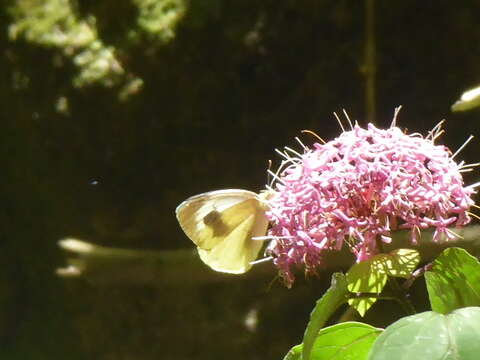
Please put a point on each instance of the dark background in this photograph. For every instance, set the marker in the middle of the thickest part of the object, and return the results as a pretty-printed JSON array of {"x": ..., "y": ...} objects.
[{"x": 236, "y": 80}]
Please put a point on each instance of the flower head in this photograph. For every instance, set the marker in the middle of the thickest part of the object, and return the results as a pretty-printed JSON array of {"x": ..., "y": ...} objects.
[{"x": 359, "y": 187}]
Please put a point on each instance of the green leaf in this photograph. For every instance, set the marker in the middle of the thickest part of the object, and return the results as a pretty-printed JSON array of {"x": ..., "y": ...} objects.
[
  {"x": 335, "y": 296},
  {"x": 402, "y": 262},
  {"x": 349, "y": 340},
  {"x": 370, "y": 276},
  {"x": 454, "y": 281},
  {"x": 367, "y": 277},
  {"x": 431, "y": 336}
]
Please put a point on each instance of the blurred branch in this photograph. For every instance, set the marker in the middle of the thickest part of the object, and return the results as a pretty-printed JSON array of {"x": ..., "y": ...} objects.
[
  {"x": 107, "y": 265},
  {"x": 470, "y": 99}
]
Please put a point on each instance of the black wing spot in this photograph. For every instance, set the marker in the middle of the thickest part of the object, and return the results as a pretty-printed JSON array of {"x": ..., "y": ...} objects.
[{"x": 214, "y": 221}]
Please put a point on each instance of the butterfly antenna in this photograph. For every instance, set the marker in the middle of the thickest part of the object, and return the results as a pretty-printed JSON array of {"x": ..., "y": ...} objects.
[
  {"x": 268, "y": 174},
  {"x": 259, "y": 261},
  {"x": 275, "y": 177}
]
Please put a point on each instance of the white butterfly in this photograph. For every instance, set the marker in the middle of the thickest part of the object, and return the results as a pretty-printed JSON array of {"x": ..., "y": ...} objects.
[{"x": 222, "y": 223}]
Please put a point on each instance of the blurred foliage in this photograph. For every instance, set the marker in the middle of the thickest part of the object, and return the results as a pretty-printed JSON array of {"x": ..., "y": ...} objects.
[
  {"x": 158, "y": 18},
  {"x": 54, "y": 23},
  {"x": 58, "y": 24},
  {"x": 470, "y": 99}
]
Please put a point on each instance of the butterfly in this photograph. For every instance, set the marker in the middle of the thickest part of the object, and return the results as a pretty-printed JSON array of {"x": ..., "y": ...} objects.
[{"x": 222, "y": 224}]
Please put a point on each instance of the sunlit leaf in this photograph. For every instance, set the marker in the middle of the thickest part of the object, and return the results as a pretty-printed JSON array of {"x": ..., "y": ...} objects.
[
  {"x": 370, "y": 276},
  {"x": 349, "y": 340},
  {"x": 431, "y": 336},
  {"x": 402, "y": 262},
  {"x": 367, "y": 276},
  {"x": 454, "y": 281}
]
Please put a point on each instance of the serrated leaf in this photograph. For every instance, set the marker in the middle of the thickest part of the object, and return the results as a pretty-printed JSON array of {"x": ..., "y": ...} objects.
[
  {"x": 431, "y": 336},
  {"x": 370, "y": 276},
  {"x": 349, "y": 340},
  {"x": 454, "y": 281},
  {"x": 324, "y": 308}
]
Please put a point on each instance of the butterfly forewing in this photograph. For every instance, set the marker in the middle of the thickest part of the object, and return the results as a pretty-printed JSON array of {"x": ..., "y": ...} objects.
[
  {"x": 199, "y": 214},
  {"x": 222, "y": 223}
]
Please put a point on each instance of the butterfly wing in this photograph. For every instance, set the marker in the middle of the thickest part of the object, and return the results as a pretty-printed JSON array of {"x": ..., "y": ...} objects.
[{"x": 221, "y": 224}]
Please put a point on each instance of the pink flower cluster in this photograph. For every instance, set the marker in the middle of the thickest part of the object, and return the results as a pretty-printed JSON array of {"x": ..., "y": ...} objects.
[{"x": 359, "y": 187}]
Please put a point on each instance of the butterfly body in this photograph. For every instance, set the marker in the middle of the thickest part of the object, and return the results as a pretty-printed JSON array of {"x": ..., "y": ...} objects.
[{"x": 222, "y": 223}]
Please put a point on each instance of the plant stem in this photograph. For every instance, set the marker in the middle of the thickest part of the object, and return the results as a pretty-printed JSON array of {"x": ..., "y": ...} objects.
[{"x": 401, "y": 295}]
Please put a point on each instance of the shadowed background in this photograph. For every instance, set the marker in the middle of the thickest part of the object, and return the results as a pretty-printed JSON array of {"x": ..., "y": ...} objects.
[{"x": 113, "y": 113}]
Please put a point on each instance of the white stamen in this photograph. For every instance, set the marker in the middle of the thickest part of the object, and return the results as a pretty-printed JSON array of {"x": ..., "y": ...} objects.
[
  {"x": 284, "y": 155},
  {"x": 275, "y": 177},
  {"x": 293, "y": 151},
  {"x": 282, "y": 166},
  {"x": 453, "y": 233},
  {"x": 348, "y": 119},
  {"x": 395, "y": 114},
  {"x": 473, "y": 185},
  {"x": 278, "y": 171},
  {"x": 289, "y": 160},
  {"x": 272, "y": 237},
  {"x": 461, "y": 147},
  {"x": 268, "y": 175},
  {"x": 436, "y": 131},
  {"x": 438, "y": 134},
  {"x": 301, "y": 144},
  {"x": 262, "y": 238},
  {"x": 339, "y": 122},
  {"x": 462, "y": 166}
]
